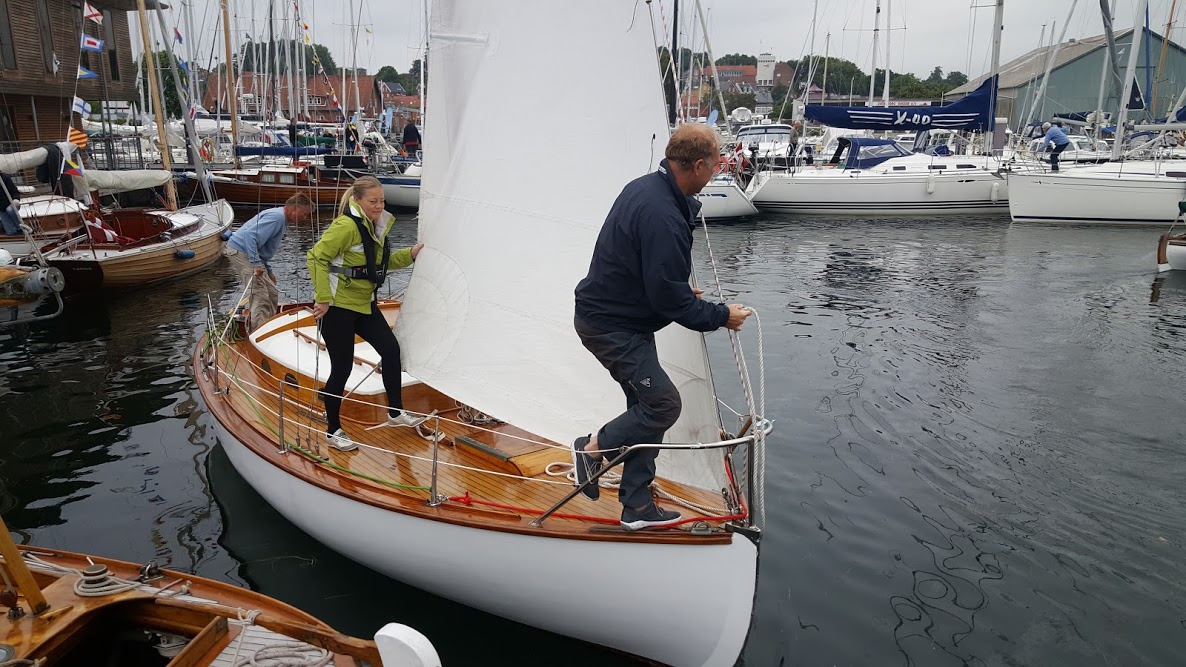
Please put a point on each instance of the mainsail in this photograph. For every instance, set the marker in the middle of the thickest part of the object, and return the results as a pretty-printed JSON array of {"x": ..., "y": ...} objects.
[
  {"x": 973, "y": 112},
  {"x": 509, "y": 227}
]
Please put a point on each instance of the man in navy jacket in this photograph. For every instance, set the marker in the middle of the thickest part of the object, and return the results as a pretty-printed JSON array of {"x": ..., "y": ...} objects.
[{"x": 638, "y": 284}]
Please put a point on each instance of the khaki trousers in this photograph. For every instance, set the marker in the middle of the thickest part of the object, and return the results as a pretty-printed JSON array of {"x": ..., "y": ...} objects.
[{"x": 263, "y": 298}]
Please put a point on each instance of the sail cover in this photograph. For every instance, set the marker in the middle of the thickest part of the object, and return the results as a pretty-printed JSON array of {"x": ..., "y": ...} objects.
[
  {"x": 973, "y": 112},
  {"x": 510, "y": 216}
]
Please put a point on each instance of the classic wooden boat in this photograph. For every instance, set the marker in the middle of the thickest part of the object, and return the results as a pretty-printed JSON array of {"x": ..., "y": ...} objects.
[
  {"x": 1171, "y": 252},
  {"x": 52, "y": 218},
  {"x": 73, "y": 609},
  {"x": 144, "y": 246},
  {"x": 267, "y": 185},
  {"x": 476, "y": 505}
]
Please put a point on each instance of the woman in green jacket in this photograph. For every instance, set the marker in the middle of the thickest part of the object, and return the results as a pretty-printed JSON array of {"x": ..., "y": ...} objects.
[{"x": 348, "y": 265}]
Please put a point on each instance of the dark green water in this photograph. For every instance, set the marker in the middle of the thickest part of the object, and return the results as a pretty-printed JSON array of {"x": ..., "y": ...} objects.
[{"x": 978, "y": 456}]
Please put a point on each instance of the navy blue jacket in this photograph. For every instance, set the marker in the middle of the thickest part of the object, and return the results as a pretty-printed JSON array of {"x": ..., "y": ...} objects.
[{"x": 638, "y": 277}]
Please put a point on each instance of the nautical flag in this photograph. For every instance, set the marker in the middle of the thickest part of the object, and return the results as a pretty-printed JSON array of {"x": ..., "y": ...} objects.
[
  {"x": 91, "y": 13},
  {"x": 177, "y": 34},
  {"x": 77, "y": 137},
  {"x": 80, "y": 106},
  {"x": 57, "y": 64},
  {"x": 368, "y": 29},
  {"x": 84, "y": 73},
  {"x": 92, "y": 43},
  {"x": 193, "y": 112},
  {"x": 74, "y": 169},
  {"x": 308, "y": 39},
  {"x": 101, "y": 232}
]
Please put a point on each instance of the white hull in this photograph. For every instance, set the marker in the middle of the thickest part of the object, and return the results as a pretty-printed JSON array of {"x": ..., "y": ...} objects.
[
  {"x": 723, "y": 200},
  {"x": 1095, "y": 195},
  {"x": 675, "y": 604},
  {"x": 1176, "y": 257},
  {"x": 402, "y": 191},
  {"x": 857, "y": 192}
]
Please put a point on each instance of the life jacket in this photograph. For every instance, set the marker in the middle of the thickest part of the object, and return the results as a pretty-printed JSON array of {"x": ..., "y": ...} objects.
[{"x": 376, "y": 272}]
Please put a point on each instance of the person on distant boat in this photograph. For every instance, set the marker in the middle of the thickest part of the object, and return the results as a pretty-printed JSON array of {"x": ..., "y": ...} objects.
[
  {"x": 411, "y": 138},
  {"x": 254, "y": 244},
  {"x": 637, "y": 284},
  {"x": 351, "y": 139},
  {"x": 10, "y": 204},
  {"x": 348, "y": 265},
  {"x": 1056, "y": 136}
]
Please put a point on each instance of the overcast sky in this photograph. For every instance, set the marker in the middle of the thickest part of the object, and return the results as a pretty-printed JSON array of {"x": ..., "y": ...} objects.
[{"x": 926, "y": 33}]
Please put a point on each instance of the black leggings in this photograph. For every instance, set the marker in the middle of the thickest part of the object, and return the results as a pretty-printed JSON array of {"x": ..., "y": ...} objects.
[{"x": 337, "y": 329}]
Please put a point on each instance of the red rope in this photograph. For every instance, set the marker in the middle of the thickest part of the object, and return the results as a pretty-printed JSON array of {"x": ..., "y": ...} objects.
[{"x": 467, "y": 500}]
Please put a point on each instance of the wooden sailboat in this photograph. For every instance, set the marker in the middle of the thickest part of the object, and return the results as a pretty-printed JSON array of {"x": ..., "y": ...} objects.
[
  {"x": 72, "y": 609},
  {"x": 268, "y": 185},
  {"x": 475, "y": 505}
]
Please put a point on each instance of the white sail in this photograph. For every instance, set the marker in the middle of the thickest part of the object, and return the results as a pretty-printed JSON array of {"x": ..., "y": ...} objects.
[{"x": 487, "y": 317}]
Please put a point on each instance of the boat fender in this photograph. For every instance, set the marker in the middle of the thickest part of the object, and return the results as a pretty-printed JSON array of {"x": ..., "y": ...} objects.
[
  {"x": 401, "y": 645},
  {"x": 931, "y": 183},
  {"x": 996, "y": 192},
  {"x": 184, "y": 253}
]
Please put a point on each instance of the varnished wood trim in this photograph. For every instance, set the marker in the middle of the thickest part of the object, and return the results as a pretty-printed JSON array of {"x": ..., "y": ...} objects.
[{"x": 196, "y": 652}]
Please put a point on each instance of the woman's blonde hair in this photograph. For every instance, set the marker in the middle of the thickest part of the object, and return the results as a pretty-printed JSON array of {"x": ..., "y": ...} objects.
[{"x": 357, "y": 190}]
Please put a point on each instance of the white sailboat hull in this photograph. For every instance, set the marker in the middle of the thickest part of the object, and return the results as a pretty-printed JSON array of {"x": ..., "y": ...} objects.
[
  {"x": 724, "y": 200},
  {"x": 1176, "y": 257},
  {"x": 1095, "y": 197},
  {"x": 402, "y": 191},
  {"x": 855, "y": 192},
  {"x": 674, "y": 604}
]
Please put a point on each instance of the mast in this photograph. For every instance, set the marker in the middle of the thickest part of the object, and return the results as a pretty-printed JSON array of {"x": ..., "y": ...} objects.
[
  {"x": 713, "y": 65},
  {"x": 1104, "y": 67},
  {"x": 1129, "y": 74},
  {"x": 889, "y": 31},
  {"x": 811, "y": 54},
  {"x": 823, "y": 93},
  {"x": 231, "y": 85},
  {"x": 158, "y": 106},
  {"x": 354, "y": 65},
  {"x": 997, "y": 27},
  {"x": 1165, "y": 42},
  {"x": 1052, "y": 57},
  {"x": 191, "y": 135},
  {"x": 675, "y": 49},
  {"x": 873, "y": 73},
  {"x": 189, "y": 50}
]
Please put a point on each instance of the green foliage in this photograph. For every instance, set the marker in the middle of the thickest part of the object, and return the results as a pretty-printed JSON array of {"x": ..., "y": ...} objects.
[
  {"x": 734, "y": 100},
  {"x": 737, "y": 59},
  {"x": 387, "y": 73},
  {"x": 165, "y": 82}
]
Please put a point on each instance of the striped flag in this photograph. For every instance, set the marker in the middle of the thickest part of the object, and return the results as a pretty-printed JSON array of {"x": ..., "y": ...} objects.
[
  {"x": 91, "y": 13},
  {"x": 92, "y": 44},
  {"x": 177, "y": 35},
  {"x": 84, "y": 73},
  {"x": 77, "y": 137},
  {"x": 81, "y": 107}
]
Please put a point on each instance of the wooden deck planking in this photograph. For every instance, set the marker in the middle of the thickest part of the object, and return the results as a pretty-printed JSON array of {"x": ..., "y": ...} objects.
[{"x": 379, "y": 456}]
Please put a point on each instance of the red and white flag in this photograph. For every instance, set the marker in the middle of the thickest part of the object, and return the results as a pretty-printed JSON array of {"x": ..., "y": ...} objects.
[
  {"x": 91, "y": 13},
  {"x": 100, "y": 232}
]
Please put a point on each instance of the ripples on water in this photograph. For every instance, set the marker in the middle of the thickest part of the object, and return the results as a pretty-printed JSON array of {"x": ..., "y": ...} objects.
[{"x": 977, "y": 456}]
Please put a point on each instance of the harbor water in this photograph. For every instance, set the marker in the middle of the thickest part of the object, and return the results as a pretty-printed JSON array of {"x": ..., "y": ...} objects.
[{"x": 978, "y": 455}]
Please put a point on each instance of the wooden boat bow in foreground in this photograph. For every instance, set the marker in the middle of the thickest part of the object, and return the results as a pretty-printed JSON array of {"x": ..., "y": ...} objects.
[{"x": 74, "y": 609}]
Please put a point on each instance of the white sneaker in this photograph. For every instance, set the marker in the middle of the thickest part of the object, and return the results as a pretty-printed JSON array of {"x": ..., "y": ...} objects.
[
  {"x": 405, "y": 419},
  {"x": 340, "y": 441}
]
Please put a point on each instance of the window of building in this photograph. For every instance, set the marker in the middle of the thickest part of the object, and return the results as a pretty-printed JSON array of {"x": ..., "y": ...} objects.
[
  {"x": 317, "y": 101},
  {"x": 7, "y": 126},
  {"x": 84, "y": 57},
  {"x": 7, "y": 51},
  {"x": 41, "y": 10},
  {"x": 112, "y": 51}
]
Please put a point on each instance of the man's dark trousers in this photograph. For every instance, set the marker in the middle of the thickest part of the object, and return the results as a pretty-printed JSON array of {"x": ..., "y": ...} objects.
[
  {"x": 1054, "y": 156},
  {"x": 652, "y": 404}
]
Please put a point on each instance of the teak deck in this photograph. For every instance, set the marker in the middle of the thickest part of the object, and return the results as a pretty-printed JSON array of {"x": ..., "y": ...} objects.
[{"x": 503, "y": 465}]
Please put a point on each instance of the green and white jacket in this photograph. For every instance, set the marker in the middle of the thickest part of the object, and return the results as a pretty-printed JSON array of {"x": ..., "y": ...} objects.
[{"x": 341, "y": 245}]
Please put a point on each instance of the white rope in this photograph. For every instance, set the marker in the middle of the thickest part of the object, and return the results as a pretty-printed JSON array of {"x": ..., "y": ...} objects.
[
  {"x": 287, "y": 654},
  {"x": 246, "y": 619},
  {"x": 760, "y": 426}
]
